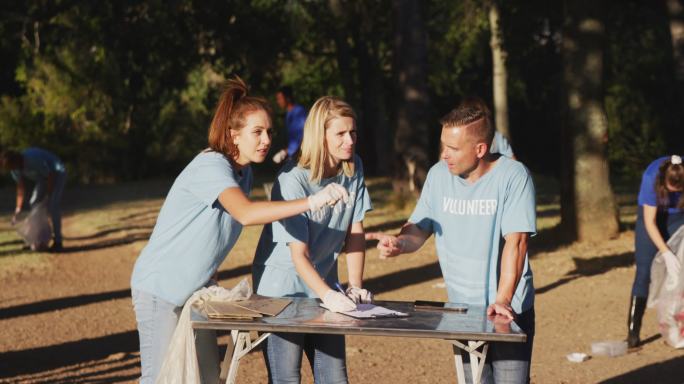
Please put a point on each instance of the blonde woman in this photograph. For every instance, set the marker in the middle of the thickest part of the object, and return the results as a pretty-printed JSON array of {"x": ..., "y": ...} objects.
[
  {"x": 297, "y": 257},
  {"x": 200, "y": 221}
]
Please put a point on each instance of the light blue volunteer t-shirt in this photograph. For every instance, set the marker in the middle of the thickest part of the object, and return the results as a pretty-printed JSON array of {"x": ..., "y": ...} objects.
[
  {"x": 647, "y": 192},
  {"x": 38, "y": 163},
  {"x": 501, "y": 145},
  {"x": 324, "y": 231},
  {"x": 469, "y": 222},
  {"x": 193, "y": 233}
]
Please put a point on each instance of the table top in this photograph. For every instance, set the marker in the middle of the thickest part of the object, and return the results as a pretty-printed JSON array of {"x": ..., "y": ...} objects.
[{"x": 304, "y": 315}]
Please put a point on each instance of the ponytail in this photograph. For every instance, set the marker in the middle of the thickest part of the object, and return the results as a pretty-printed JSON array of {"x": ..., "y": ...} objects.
[
  {"x": 232, "y": 108},
  {"x": 671, "y": 172}
]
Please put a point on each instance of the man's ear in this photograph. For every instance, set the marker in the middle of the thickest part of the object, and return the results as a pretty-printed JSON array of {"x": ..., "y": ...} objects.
[{"x": 481, "y": 149}]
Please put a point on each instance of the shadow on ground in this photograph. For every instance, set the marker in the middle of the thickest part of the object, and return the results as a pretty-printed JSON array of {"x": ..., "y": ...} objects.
[
  {"x": 590, "y": 267},
  {"x": 667, "y": 372},
  {"x": 51, "y": 357}
]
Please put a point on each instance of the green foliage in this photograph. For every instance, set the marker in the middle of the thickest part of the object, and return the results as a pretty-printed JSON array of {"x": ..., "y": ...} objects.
[
  {"x": 639, "y": 100},
  {"x": 459, "y": 49},
  {"x": 126, "y": 89}
]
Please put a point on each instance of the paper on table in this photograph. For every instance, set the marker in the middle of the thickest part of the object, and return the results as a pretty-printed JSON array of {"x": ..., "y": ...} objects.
[
  {"x": 371, "y": 311},
  {"x": 252, "y": 308}
]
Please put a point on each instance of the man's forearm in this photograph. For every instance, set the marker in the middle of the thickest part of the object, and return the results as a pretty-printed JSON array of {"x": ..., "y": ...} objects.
[
  {"x": 20, "y": 196},
  {"x": 411, "y": 238},
  {"x": 512, "y": 264}
]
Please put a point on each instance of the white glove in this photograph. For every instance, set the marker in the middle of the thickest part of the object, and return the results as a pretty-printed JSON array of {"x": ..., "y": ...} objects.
[
  {"x": 672, "y": 265},
  {"x": 359, "y": 295},
  {"x": 279, "y": 156},
  {"x": 337, "y": 302},
  {"x": 328, "y": 196}
]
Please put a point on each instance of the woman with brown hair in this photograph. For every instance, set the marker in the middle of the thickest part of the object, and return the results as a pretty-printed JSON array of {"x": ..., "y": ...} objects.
[
  {"x": 660, "y": 214},
  {"x": 200, "y": 221}
]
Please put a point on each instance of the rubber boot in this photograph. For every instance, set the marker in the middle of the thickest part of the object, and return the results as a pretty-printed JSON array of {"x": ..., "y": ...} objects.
[{"x": 637, "y": 306}]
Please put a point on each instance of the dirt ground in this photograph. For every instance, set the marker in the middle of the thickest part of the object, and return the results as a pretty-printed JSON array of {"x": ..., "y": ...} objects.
[{"x": 67, "y": 318}]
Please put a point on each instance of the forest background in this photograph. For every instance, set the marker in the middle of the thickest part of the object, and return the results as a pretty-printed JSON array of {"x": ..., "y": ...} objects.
[{"x": 587, "y": 93}]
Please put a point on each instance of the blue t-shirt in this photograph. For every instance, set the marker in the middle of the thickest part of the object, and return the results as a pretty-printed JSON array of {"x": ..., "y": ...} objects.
[
  {"x": 324, "y": 231},
  {"x": 193, "y": 233},
  {"x": 294, "y": 125},
  {"x": 647, "y": 191},
  {"x": 501, "y": 145},
  {"x": 469, "y": 222},
  {"x": 38, "y": 164}
]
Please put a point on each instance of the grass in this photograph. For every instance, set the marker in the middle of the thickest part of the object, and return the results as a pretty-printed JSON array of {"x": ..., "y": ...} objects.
[{"x": 130, "y": 209}]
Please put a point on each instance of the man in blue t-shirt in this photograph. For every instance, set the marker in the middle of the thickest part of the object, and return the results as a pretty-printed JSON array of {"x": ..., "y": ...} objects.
[
  {"x": 481, "y": 208},
  {"x": 47, "y": 172},
  {"x": 294, "y": 123}
]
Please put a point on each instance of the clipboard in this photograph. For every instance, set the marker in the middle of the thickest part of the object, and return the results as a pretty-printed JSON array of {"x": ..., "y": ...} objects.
[
  {"x": 371, "y": 311},
  {"x": 253, "y": 308}
]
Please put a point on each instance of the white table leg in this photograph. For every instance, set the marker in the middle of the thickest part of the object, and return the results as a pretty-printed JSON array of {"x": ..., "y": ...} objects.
[
  {"x": 230, "y": 349},
  {"x": 477, "y": 359},
  {"x": 241, "y": 345}
]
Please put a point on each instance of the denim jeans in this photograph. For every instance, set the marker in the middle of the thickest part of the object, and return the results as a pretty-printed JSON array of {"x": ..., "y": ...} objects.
[
  {"x": 157, "y": 321},
  {"x": 507, "y": 363},
  {"x": 39, "y": 192},
  {"x": 644, "y": 249},
  {"x": 326, "y": 353}
]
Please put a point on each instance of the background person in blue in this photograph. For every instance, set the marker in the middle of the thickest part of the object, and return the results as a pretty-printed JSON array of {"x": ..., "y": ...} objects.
[
  {"x": 48, "y": 174},
  {"x": 473, "y": 201},
  {"x": 200, "y": 221},
  {"x": 298, "y": 256},
  {"x": 294, "y": 123},
  {"x": 660, "y": 214}
]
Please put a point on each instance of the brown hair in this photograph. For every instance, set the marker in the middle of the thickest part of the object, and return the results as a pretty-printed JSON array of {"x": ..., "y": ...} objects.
[
  {"x": 469, "y": 111},
  {"x": 673, "y": 175},
  {"x": 10, "y": 159},
  {"x": 233, "y": 106}
]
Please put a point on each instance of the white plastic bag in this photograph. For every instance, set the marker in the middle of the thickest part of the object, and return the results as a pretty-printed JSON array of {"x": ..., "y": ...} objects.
[
  {"x": 667, "y": 294},
  {"x": 35, "y": 228},
  {"x": 180, "y": 362}
]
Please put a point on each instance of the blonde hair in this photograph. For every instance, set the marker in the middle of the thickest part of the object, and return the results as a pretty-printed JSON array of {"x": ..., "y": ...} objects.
[
  {"x": 314, "y": 150},
  {"x": 232, "y": 108}
]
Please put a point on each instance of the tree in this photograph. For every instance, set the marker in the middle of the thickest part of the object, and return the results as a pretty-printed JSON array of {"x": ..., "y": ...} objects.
[
  {"x": 499, "y": 73},
  {"x": 412, "y": 138},
  {"x": 676, "y": 14},
  {"x": 588, "y": 209},
  {"x": 358, "y": 31}
]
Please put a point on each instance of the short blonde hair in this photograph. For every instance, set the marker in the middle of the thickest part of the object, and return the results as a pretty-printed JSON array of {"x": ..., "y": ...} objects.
[{"x": 314, "y": 151}]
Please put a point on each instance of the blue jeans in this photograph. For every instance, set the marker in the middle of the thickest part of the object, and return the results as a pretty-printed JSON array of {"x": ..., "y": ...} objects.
[
  {"x": 507, "y": 363},
  {"x": 55, "y": 198},
  {"x": 283, "y": 355},
  {"x": 645, "y": 250},
  {"x": 157, "y": 321}
]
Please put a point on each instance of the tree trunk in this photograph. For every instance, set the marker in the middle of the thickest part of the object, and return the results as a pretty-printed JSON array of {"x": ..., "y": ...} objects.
[
  {"x": 500, "y": 75},
  {"x": 374, "y": 123},
  {"x": 589, "y": 209},
  {"x": 675, "y": 12},
  {"x": 343, "y": 51},
  {"x": 411, "y": 143}
]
